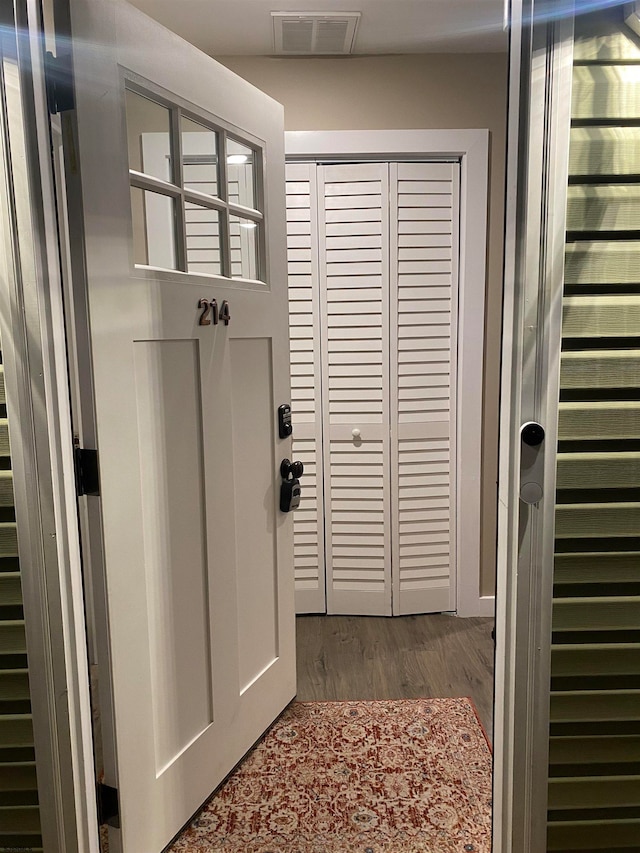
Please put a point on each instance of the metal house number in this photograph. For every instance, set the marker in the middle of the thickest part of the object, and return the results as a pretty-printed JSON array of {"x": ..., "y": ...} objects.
[{"x": 211, "y": 314}]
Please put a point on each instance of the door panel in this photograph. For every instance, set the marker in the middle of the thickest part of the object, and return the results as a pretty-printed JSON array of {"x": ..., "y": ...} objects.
[
  {"x": 167, "y": 376},
  {"x": 389, "y": 313},
  {"x": 424, "y": 295},
  {"x": 255, "y": 498},
  {"x": 306, "y": 401},
  {"x": 199, "y": 583},
  {"x": 595, "y": 650},
  {"x": 355, "y": 377}
]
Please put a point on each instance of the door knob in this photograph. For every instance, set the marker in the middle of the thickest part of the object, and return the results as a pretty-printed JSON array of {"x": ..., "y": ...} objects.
[{"x": 355, "y": 432}]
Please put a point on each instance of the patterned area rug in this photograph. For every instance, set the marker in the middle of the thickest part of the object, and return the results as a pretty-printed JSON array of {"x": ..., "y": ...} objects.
[{"x": 407, "y": 776}]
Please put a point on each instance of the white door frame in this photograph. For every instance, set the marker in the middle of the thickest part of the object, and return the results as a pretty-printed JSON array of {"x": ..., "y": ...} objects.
[
  {"x": 537, "y": 177},
  {"x": 471, "y": 147},
  {"x": 43, "y": 330},
  {"x": 33, "y": 337}
]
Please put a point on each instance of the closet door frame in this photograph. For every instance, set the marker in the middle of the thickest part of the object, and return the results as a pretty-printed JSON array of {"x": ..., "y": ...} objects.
[{"x": 471, "y": 148}]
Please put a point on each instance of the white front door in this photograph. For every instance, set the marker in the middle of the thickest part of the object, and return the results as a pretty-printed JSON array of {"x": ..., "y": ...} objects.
[{"x": 186, "y": 278}]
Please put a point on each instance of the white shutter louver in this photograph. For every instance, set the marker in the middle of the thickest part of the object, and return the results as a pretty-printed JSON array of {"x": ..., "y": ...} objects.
[
  {"x": 424, "y": 256},
  {"x": 304, "y": 323},
  {"x": 594, "y": 743},
  {"x": 19, "y": 813},
  {"x": 354, "y": 274}
]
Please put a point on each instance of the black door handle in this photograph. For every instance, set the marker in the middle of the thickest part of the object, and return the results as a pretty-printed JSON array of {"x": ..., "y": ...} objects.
[
  {"x": 290, "y": 489},
  {"x": 291, "y": 469}
]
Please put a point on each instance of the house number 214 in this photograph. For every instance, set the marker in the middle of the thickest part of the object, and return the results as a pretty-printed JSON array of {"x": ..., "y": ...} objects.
[{"x": 211, "y": 314}]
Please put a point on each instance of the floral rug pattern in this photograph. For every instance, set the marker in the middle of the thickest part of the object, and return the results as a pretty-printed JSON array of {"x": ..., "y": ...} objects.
[{"x": 406, "y": 776}]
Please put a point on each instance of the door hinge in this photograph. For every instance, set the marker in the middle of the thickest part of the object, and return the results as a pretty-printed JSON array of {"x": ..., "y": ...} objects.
[
  {"x": 59, "y": 82},
  {"x": 87, "y": 474},
  {"x": 108, "y": 807}
]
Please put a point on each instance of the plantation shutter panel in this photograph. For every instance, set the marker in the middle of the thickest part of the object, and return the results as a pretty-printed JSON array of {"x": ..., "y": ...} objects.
[
  {"x": 19, "y": 813},
  {"x": 354, "y": 275},
  {"x": 304, "y": 324},
  {"x": 594, "y": 748},
  {"x": 424, "y": 293}
]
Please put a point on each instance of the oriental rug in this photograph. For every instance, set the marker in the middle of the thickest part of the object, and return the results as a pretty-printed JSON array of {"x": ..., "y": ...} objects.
[{"x": 406, "y": 776}]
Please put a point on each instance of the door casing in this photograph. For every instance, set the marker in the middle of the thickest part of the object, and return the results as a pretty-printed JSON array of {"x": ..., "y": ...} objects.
[
  {"x": 74, "y": 730},
  {"x": 537, "y": 174},
  {"x": 471, "y": 147},
  {"x": 33, "y": 335}
]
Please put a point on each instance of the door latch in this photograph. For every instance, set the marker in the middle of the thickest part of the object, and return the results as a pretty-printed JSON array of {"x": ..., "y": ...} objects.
[{"x": 86, "y": 470}]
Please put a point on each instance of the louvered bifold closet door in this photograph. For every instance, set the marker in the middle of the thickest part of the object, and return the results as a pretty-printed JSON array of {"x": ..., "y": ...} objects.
[
  {"x": 354, "y": 276},
  {"x": 424, "y": 295},
  {"x": 19, "y": 813},
  {"x": 594, "y": 784},
  {"x": 304, "y": 331}
]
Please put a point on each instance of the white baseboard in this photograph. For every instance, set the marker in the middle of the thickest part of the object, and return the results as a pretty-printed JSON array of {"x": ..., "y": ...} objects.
[{"x": 483, "y": 605}]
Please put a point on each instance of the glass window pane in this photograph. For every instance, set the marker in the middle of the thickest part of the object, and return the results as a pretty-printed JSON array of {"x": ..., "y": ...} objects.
[
  {"x": 243, "y": 235},
  {"x": 199, "y": 157},
  {"x": 149, "y": 136},
  {"x": 203, "y": 240},
  {"x": 154, "y": 229},
  {"x": 241, "y": 174}
]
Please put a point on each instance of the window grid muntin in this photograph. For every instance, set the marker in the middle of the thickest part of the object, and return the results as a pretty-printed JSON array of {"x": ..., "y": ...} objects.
[{"x": 220, "y": 203}]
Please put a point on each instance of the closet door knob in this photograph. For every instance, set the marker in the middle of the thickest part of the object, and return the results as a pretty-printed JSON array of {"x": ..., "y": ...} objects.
[{"x": 355, "y": 432}]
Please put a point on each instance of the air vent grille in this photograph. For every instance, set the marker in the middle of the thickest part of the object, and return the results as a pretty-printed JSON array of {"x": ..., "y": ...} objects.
[{"x": 297, "y": 33}]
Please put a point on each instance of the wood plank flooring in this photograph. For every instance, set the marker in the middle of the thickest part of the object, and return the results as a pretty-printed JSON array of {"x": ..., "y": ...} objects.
[{"x": 375, "y": 657}]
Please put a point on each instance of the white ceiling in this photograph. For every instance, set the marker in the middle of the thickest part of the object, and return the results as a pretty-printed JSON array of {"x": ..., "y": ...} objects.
[{"x": 243, "y": 27}]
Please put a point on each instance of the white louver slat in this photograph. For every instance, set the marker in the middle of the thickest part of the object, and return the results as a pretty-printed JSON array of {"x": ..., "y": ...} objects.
[
  {"x": 424, "y": 255},
  {"x": 354, "y": 274},
  {"x": 304, "y": 323}
]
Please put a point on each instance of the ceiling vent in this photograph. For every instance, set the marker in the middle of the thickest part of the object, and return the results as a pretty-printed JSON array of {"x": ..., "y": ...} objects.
[{"x": 296, "y": 33}]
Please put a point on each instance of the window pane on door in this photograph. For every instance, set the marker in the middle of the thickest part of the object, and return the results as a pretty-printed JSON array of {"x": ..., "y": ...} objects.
[
  {"x": 148, "y": 136},
  {"x": 243, "y": 234},
  {"x": 203, "y": 240},
  {"x": 241, "y": 174},
  {"x": 154, "y": 229},
  {"x": 199, "y": 157}
]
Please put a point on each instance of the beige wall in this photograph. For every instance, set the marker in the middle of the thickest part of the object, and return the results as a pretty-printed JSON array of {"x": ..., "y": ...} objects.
[{"x": 403, "y": 92}]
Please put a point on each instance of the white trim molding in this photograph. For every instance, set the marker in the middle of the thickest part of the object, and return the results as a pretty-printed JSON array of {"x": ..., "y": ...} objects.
[
  {"x": 541, "y": 70},
  {"x": 36, "y": 372},
  {"x": 471, "y": 148}
]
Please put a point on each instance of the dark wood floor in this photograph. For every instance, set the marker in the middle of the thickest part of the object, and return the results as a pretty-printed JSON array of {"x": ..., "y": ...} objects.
[{"x": 374, "y": 657}]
